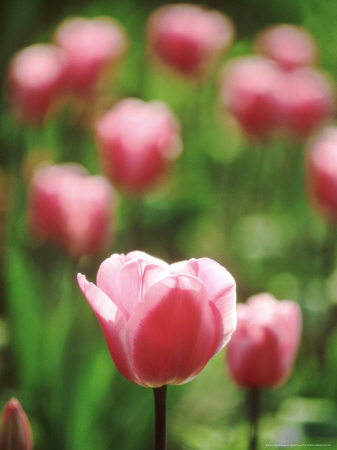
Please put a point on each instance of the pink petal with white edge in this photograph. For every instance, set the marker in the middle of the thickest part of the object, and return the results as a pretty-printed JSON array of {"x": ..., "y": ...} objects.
[
  {"x": 172, "y": 333},
  {"x": 221, "y": 289},
  {"x": 101, "y": 304},
  {"x": 107, "y": 274},
  {"x": 148, "y": 259},
  {"x": 128, "y": 285},
  {"x": 151, "y": 275},
  {"x": 190, "y": 267},
  {"x": 113, "y": 326}
]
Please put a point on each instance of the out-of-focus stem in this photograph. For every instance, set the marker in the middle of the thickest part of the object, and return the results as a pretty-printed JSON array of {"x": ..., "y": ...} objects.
[
  {"x": 160, "y": 418},
  {"x": 254, "y": 413},
  {"x": 328, "y": 251}
]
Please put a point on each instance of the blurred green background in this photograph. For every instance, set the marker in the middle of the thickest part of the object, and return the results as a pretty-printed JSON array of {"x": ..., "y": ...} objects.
[{"x": 220, "y": 202}]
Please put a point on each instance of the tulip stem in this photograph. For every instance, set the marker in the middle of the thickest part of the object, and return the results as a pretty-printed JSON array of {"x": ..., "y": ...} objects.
[
  {"x": 254, "y": 413},
  {"x": 160, "y": 418}
]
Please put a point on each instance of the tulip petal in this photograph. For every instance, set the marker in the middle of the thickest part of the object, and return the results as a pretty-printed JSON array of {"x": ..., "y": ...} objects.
[
  {"x": 113, "y": 325},
  {"x": 152, "y": 274},
  {"x": 102, "y": 305},
  {"x": 148, "y": 259},
  {"x": 128, "y": 286},
  {"x": 221, "y": 288},
  {"x": 107, "y": 274},
  {"x": 189, "y": 267},
  {"x": 172, "y": 332}
]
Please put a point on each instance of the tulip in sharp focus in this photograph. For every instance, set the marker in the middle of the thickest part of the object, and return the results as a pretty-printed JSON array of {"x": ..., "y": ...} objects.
[
  {"x": 36, "y": 78},
  {"x": 247, "y": 91},
  {"x": 15, "y": 429},
  {"x": 137, "y": 142},
  {"x": 92, "y": 46},
  {"x": 288, "y": 45},
  {"x": 71, "y": 208},
  {"x": 162, "y": 323},
  {"x": 306, "y": 101},
  {"x": 322, "y": 172},
  {"x": 262, "y": 351},
  {"x": 188, "y": 38}
]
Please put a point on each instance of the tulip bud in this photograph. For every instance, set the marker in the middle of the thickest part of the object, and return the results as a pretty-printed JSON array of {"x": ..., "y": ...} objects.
[
  {"x": 162, "y": 322},
  {"x": 137, "y": 141},
  {"x": 71, "y": 208},
  {"x": 188, "y": 38},
  {"x": 322, "y": 172},
  {"x": 36, "y": 78},
  {"x": 262, "y": 350},
  {"x": 247, "y": 91},
  {"x": 92, "y": 46},
  {"x": 15, "y": 431},
  {"x": 306, "y": 99},
  {"x": 288, "y": 45}
]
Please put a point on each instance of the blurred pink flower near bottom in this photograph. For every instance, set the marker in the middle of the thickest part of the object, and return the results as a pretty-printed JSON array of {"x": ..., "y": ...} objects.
[
  {"x": 262, "y": 351},
  {"x": 15, "y": 433}
]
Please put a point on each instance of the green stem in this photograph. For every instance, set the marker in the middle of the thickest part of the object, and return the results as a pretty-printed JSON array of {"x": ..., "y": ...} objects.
[
  {"x": 160, "y": 418},
  {"x": 254, "y": 413}
]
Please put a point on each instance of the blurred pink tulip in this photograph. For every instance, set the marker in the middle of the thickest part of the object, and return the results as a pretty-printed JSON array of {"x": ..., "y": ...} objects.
[
  {"x": 92, "y": 46},
  {"x": 262, "y": 351},
  {"x": 71, "y": 208},
  {"x": 162, "y": 323},
  {"x": 188, "y": 38},
  {"x": 36, "y": 78},
  {"x": 137, "y": 142},
  {"x": 16, "y": 433},
  {"x": 322, "y": 172},
  {"x": 288, "y": 45},
  {"x": 247, "y": 91},
  {"x": 306, "y": 101}
]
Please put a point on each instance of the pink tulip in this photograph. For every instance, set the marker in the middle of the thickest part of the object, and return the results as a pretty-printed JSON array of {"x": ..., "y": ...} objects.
[
  {"x": 262, "y": 351},
  {"x": 137, "y": 142},
  {"x": 162, "y": 323},
  {"x": 322, "y": 172},
  {"x": 306, "y": 101},
  {"x": 288, "y": 45},
  {"x": 16, "y": 433},
  {"x": 71, "y": 208},
  {"x": 247, "y": 91},
  {"x": 188, "y": 38},
  {"x": 36, "y": 78},
  {"x": 92, "y": 47}
]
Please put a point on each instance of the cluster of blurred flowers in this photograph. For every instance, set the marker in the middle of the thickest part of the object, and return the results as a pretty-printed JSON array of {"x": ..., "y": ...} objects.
[
  {"x": 279, "y": 91},
  {"x": 137, "y": 141},
  {"x": 43, "y": 75}
]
